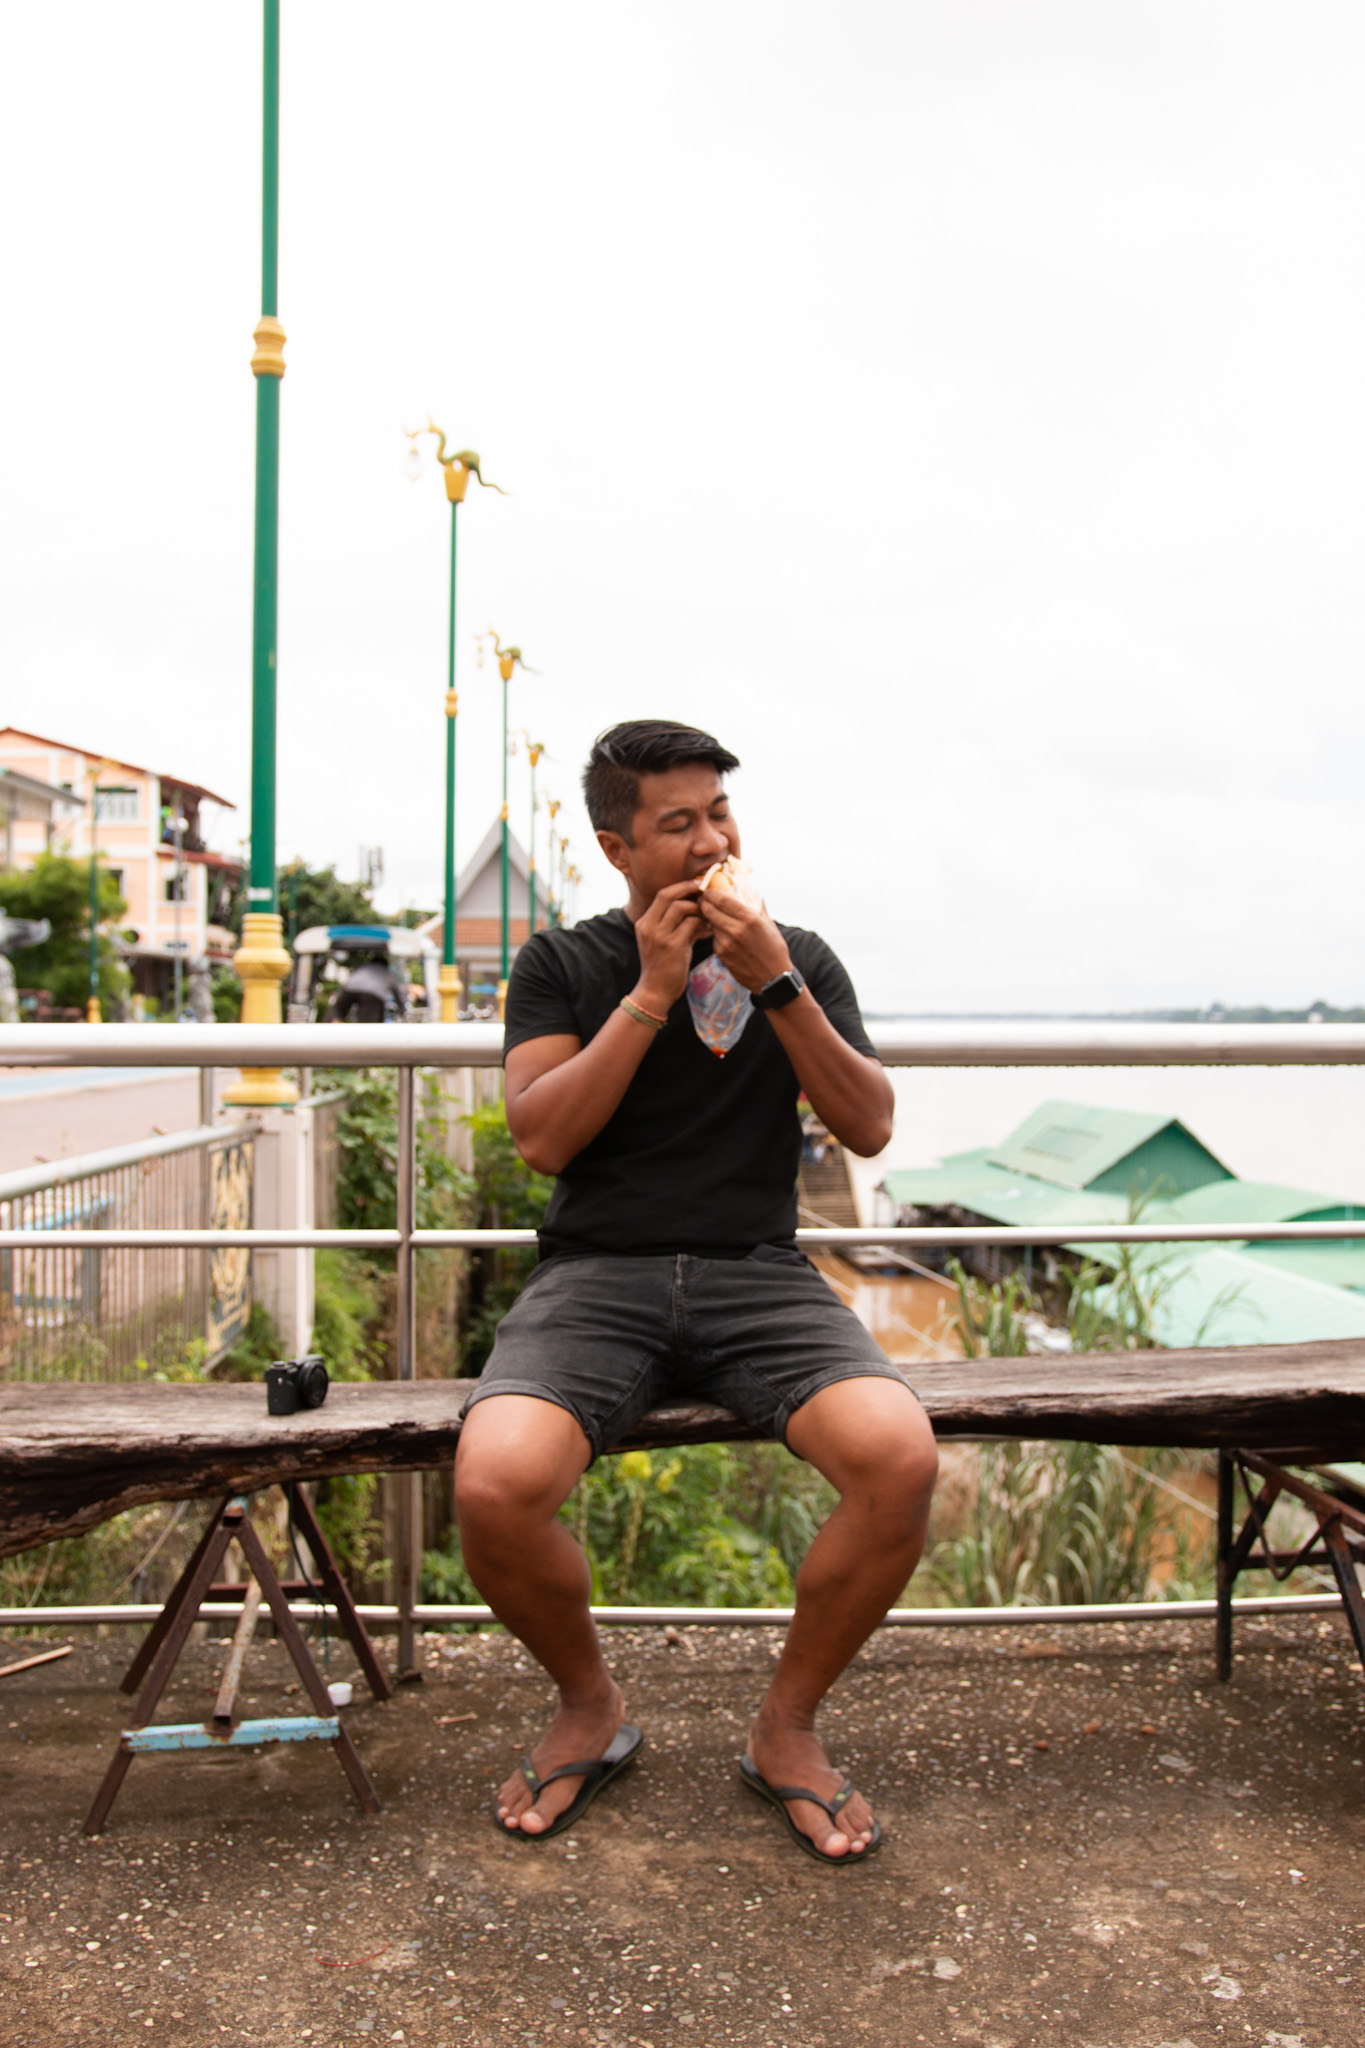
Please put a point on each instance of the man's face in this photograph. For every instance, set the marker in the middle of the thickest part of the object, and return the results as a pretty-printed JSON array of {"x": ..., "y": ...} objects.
[{"x": 682, "y": 827}]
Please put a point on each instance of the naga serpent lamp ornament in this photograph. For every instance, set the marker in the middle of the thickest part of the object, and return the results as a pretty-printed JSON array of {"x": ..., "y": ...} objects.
[
  {"x": 457, "y": 468},
  {"x": 507, "y": 658}
]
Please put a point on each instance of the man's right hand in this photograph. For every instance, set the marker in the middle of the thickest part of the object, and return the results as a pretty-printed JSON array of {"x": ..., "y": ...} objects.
[{"x": 666, "y": 935}]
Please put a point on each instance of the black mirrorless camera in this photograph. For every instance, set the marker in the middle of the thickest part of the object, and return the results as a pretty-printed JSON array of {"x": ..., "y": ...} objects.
[{"x": 294, "y": 1383}]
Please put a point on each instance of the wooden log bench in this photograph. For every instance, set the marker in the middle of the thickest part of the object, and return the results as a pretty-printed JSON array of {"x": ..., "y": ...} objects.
[{"x": 72, "y": 1456}]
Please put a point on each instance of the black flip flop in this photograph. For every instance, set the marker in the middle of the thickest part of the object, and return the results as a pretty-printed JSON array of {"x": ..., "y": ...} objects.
[
  {"x": 595, "y": 1772},
  {"x": 778, "y": 1795}
]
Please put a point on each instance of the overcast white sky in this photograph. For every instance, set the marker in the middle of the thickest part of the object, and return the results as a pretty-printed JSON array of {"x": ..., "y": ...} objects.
[{"x": 956, "y": 407}]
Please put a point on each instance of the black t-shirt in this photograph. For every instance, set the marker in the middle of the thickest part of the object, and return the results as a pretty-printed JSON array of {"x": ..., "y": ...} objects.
[{"x": 702, "y": 1153}]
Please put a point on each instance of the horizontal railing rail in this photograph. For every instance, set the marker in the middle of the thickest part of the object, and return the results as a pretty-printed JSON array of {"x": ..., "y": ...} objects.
[
  {"x": 872, "y": 1236},
  {"x": 480, "y": 1045},
  {"x": 428, "y": 1614}
]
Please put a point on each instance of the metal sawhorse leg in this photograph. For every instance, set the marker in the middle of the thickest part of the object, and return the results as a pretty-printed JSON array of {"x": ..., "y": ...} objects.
[
  {"x": 1338, "y": 1539},
  {"x": 155, "y": 1661}
]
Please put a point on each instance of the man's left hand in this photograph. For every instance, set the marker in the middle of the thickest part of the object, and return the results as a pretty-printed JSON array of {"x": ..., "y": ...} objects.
[{"x": 747, "y": 940}]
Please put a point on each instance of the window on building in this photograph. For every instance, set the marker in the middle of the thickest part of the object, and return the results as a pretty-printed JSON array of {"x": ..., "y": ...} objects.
[
  {"x": 179, "y": 888},
  {"x": 116, "y": 806},
  {"x": 116, "y": 877}
]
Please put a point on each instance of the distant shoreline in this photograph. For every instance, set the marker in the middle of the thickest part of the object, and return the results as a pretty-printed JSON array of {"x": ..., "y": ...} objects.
[{"x": 1317, "y": 1013}]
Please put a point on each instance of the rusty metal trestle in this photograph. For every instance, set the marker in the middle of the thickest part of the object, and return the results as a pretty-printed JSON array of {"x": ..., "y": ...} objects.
[{"x": 1337, "y": 1540}]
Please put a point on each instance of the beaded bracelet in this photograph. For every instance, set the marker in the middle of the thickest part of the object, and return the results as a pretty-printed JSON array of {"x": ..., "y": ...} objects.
[{"x": 642, "y": 1016}]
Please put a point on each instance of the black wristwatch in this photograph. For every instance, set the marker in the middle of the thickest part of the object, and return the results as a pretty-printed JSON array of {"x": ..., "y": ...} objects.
[{"x": 781, "y": 990}]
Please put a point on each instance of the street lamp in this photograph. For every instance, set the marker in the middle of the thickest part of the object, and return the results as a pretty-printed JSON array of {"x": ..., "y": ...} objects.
[
  {"x": 261, "y": 960},
  {"x": 508, "y": 659},
  {"x": 534, "y": 750},
  {"x": 552, "y": 916},
  {"x": 457, "y": 470}
]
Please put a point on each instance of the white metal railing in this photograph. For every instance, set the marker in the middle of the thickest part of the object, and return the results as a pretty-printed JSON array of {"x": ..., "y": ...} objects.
[
  {"x": 95, "y": 1273},
  {"x": 407, "y": 1047},
  {"x": 480, "y": 1045}
]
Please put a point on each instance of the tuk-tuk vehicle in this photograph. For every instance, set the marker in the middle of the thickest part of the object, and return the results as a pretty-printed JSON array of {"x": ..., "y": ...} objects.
[{"x": 362, "y": 974}]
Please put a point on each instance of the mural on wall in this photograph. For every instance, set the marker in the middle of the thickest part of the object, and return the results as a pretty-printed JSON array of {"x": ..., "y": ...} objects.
[{"x": 229, "y": 1269}]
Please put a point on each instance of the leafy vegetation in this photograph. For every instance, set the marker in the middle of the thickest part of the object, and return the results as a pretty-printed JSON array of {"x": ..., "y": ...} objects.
[
  {"x": 722, "y": 1525},
  {"x": 225, "y": 991},
  {"x": 367, "y": 1138},
  {"x": 506, "y": 1195},
  {"x": 58, "y": 889}
]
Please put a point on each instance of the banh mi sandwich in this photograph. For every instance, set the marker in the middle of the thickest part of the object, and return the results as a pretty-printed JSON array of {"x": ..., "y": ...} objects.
[{"x": 733, "y": 875}]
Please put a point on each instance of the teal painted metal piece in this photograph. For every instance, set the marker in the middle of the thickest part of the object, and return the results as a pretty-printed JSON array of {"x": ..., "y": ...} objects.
[
  {"x": 452, "y": 903},
  {"x": 506, "y": 951},
  {"x": 270, "y": 180},
  {"x": 246, "y": 1734},
  {"x": 263, "y": 893}
]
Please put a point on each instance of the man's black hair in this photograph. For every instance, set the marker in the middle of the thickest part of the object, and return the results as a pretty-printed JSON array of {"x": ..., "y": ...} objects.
[{"x": 642, "y": 746}]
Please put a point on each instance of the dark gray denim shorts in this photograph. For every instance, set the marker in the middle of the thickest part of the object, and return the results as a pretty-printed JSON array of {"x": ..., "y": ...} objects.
[{"x": 610, "y": 1338}]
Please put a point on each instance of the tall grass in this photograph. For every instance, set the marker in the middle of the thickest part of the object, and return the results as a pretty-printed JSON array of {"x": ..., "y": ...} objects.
[{"x": 1062, "y": 1523}]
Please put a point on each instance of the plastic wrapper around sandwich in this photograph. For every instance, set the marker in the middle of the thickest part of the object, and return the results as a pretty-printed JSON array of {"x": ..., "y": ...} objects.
[{"x": 720, "y": 1005}]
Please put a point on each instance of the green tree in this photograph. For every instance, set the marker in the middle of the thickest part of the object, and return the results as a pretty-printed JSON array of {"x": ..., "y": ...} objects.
[
  {"x": 58, "y": 889},
  {"x": 310, "y": 896}
]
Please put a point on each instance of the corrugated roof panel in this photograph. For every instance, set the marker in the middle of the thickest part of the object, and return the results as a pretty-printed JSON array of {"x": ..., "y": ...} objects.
[
  {"x": 1249, "y": 1201},
  {"x": 1071, "y": 1144},
  {"x": 1339, "y": 1264},
  {"x": 1002, "y": 1197},
  {"x": 1227, "y": 1298}
]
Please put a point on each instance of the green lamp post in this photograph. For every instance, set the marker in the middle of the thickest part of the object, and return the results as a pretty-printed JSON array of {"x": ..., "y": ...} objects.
[
  {"x": 509, "y": 658},
  {"x": 261, "y": 959},
  {"x": 457, "y": 470}
]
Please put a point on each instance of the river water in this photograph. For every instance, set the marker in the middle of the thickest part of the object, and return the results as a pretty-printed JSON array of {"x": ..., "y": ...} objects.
[{"x": 1301, "y": 1126}]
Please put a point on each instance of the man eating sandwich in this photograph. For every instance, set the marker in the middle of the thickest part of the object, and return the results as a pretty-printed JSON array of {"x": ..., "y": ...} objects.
[{"x": 653, "y": 1060}]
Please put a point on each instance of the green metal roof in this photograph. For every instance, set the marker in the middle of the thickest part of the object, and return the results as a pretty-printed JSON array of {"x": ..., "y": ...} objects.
[
  {"x": 1074, "y": 1145},
  {"x": 999, "y": 1196},
  {"x": 1253, "y": 1292},
  {"x": 1249, "y": 1201},
  {"x": 1340, "y": 1263},
  {"x": 1224, "y": 1297}
]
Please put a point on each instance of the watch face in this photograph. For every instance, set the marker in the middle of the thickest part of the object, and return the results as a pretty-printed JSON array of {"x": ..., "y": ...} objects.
[{"x": 783, "y": 989}]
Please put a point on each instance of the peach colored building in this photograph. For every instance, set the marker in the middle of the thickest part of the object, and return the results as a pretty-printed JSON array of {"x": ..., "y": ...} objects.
[{"x": 175, "y": 905}]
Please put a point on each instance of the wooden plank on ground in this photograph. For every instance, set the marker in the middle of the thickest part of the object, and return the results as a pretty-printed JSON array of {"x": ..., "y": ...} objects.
[{"x": 71, "y": 1456}]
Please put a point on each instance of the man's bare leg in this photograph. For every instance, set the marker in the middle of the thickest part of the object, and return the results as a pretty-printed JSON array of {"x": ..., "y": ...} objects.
[
  {"x": 518, "y": 1461},
  {"x": 872, "y": 1440}
]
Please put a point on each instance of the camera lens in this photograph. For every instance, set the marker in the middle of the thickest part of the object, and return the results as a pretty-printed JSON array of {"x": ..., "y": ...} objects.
[{"x": 312, "y": 1383}]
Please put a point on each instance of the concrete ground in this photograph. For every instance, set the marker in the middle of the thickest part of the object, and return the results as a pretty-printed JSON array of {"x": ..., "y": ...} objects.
[{"x": 1089, "y": 1841}]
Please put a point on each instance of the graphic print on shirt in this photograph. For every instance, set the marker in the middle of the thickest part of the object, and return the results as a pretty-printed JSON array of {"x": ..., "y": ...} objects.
[{"x": 720, "y": 1006}]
